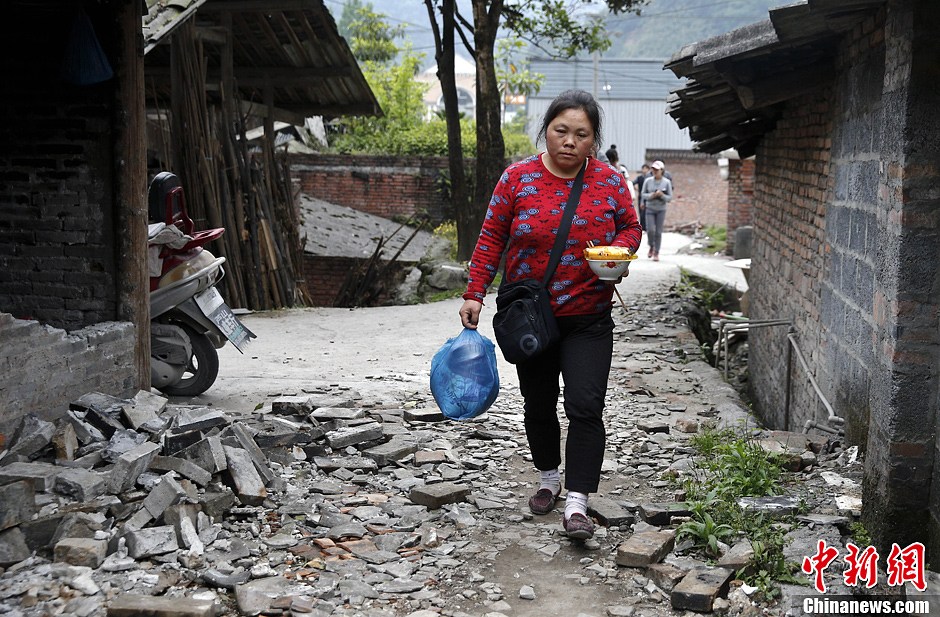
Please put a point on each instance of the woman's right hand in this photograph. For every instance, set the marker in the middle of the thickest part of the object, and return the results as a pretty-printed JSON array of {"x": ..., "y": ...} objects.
[{"x": 470, "y": 313}]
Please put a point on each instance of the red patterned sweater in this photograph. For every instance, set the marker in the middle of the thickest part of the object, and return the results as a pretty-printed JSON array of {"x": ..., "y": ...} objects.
[{"x": 523, "y": 218}]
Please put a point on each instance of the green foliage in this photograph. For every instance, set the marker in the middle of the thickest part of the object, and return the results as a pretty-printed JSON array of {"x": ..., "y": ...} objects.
[
  {"x": 448, "y": 231},
  {"x": 370, "y": 38},
  {"x": 730, "y": 466},
  {"x": 860, "y": 535},
  {"x": 716, "y": 238},
  {"x": 514, "y": 79}
]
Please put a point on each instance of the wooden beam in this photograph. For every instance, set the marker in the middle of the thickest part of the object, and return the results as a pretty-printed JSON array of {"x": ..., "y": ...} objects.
[
  {"x": 130, "y": 182},
  {"x": 260, "y": 6},
  {"x": 773, "y": 89},
  {"x": 258, "y": 76}
]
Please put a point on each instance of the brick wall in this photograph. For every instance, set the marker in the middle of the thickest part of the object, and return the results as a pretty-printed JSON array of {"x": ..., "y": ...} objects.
[
  {"x": 791, "y": 190},
  {"x": 700, "y": 196},
  {"x": 326, "y": 276},
  {"x": 56, "y": 241},
  {"x": 740, "y": 196},
  {"x": 386, "y": 186},
  {"x": 46, "y": 368},
  {"x": 57, "y": 248}
]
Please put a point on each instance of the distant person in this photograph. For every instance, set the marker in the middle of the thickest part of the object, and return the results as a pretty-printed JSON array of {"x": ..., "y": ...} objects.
[
  {"x": 613, "y": 157},
  {"x": 657, "y": 192},
  {"x": 638, "y": 186}
]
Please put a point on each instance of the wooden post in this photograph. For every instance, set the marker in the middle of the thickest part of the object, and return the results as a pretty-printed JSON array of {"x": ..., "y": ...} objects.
[{"x": 130, "y": 185}]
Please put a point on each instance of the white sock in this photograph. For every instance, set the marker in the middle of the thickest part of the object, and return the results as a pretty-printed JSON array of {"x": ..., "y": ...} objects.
[
  {"x": 551, "y": 480},
  {"x": 575, "y": 502}
]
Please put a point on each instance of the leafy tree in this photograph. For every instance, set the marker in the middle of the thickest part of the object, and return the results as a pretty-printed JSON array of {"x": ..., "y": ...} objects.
[
  {"x": 547, "y": 24},
  {"x": 370, "y": 37}
]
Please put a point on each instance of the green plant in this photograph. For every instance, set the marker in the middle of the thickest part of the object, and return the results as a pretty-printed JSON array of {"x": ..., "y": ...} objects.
[
  {"x": 705, "y": 532},
  {"x": 859, "y": 534},
  {"x": 716, "y": 238},
  {"x": 448, "y": 231}
]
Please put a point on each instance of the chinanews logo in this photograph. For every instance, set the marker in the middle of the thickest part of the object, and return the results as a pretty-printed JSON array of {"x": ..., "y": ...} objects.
[{"x": 902, "y": 565}]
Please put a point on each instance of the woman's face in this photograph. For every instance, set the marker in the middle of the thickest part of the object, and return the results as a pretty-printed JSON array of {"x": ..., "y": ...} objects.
[
  {"x": 569, "y": 140},
  {"x": 658, "y": 173}
]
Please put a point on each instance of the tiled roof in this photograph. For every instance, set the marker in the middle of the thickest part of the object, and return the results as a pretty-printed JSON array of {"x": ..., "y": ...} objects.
[
  {"x": 735, "y": 82},
  {"x": 291, "y": 46}
]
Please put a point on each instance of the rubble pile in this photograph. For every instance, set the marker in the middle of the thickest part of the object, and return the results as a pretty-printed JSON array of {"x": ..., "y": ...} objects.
[{"x": 325, "y": 504}]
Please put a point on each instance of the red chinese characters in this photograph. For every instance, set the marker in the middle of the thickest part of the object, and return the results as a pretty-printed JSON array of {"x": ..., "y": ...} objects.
[{"x": 904, "y": 565}]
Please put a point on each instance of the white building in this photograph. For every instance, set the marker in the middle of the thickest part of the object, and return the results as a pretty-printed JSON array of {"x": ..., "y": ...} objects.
[{"x": 632, "y": 94}]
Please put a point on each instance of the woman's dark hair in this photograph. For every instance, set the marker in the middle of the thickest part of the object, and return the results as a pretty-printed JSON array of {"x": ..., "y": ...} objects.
[
  {"x": 613, "y": 157},
  {"x": 573, "y": 99}
]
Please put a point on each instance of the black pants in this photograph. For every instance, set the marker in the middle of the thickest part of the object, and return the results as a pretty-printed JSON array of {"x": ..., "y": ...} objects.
[{"x": 582, "y": 358}]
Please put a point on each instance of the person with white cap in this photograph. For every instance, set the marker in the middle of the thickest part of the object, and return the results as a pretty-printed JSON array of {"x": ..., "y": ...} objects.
[{"x": 657, "y": 193}]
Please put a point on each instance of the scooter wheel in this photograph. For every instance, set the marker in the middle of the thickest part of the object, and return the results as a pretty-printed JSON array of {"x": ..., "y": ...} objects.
[{"x": 202, "y": 370}]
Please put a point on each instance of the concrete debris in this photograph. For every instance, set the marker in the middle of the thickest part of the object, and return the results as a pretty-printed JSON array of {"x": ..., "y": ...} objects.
[{"x": 329, "y": 504}]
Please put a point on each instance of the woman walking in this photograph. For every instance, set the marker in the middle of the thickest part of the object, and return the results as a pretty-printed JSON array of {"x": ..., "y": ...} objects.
[
  {"x": 522, "y": 220},
  {"x": 657, "y": 193}
]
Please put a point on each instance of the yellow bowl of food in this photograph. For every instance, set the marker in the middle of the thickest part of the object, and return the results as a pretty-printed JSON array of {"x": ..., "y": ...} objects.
[{"x": 609, "y": 263}]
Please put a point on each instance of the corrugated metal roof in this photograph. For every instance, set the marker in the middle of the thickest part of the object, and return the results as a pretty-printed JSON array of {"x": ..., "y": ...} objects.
[
  {"x": 635, "y": 79},
  {"x": 291, "y": 46}
]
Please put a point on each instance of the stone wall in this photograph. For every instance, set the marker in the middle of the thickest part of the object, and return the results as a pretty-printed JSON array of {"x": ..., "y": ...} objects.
[
  {"x": 46, "y": 368},
  {"x": 387, "y": 186},
  {"x": 902, "y": 483},
  {"x": 846, "y": 245},
  {"x": 700, "y": 196}
]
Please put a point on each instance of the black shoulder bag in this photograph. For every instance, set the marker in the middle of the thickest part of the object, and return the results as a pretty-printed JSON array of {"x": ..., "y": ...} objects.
[{"x": 524, "y": 323}]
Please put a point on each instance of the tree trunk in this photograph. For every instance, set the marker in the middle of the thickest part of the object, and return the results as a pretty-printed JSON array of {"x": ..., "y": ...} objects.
[
  {"x": 445, "y": 73},
  {"x": 491, "y": 150}
]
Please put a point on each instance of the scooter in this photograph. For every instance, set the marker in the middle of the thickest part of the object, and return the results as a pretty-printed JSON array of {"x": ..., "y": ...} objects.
[{"x": 189, "y": 320}]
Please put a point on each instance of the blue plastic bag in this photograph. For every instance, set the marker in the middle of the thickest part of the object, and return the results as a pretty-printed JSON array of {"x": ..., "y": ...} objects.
[{"x": 464, "y": 380}]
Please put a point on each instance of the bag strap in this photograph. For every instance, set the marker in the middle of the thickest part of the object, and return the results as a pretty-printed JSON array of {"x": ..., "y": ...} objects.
[{"x": 570, "y": 207}]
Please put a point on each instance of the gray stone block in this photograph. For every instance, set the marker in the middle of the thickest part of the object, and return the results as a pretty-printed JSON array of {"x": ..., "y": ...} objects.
[
  {"x": 86, "y": 552},
  {"x": 665, "y": 576},
  {"x": 32, "y": 435},
  {"x": 199, "y": 419},
  {"x": 434, "y": 496},
  {"x": 699, "y": 588},
  {"x": 248, "y": 484},
  {"x": 292, "y": 405},
  {"x": 78, "y": 525},
  {"x": 132, "y": 605},
  {"x": 424, "y": 415},
  {"x": 17, "y": 503},
  {"x": 13, "y": 547},
  {"x": 81, "y": 484},
  {"x": 143, "y": 408},
  {"x": 65, "y": 441},
  {"x": 151, "y": 541},
  {"x": 662, "y": 513},
  {"x": 324, "y": 414},
  {"x": 40, "y": 475},
  {"x": 130, "y": 465},
  {"x": 165, "y": 494},
  {"x": 183, "y": 467},
  {"x": 207, "y": 453},
  {"x": 610, "y": 513},
  {"x": 241, "y": 432},
  {"x": 397, "y": 448},
  {"x": 355, "y": 463},
  {"x": 645, "y": 548},
  {"x": 351, "y": 436}
]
